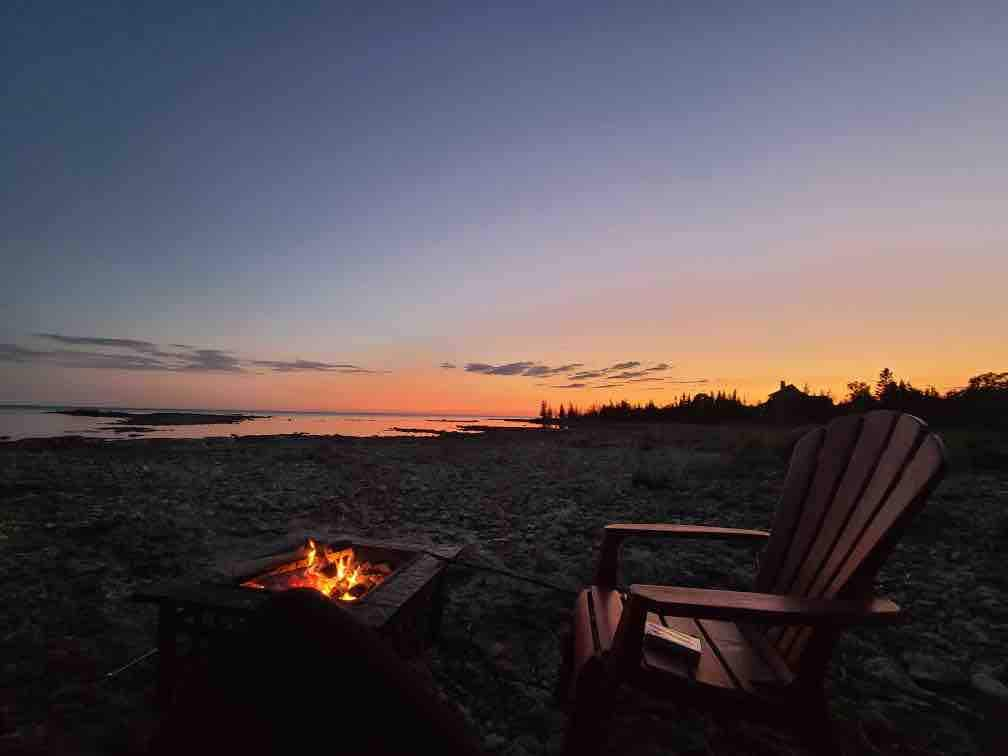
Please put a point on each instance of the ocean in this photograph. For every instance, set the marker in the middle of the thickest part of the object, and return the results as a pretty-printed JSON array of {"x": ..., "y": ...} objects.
[{"x": 29, "y": 421}]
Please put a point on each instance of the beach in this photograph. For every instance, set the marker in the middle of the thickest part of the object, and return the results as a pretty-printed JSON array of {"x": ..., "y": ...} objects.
[{"x": 86, "y": 522}]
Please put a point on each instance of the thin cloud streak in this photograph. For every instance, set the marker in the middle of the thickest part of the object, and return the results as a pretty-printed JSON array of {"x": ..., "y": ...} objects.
[
  {"x": 296, "y": 366},
  {"x": 628, "y": 371},
  {"x": 526, "y": 368},
  {"x": 134, "y": 344},
  {"x": 540, "y": 371},
  {"x": 623, "y": 366},
  {"x": 137, "y": 354}
]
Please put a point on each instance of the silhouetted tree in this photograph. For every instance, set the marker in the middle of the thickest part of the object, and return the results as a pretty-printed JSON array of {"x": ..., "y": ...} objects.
[
  {"x": 983, "y": 402},
  {"x": 859, "y": 396},
  {"x": 885, "y": 379}
]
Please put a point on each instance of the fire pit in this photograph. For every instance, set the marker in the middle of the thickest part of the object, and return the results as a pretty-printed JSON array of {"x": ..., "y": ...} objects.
[{"x": 394, "y": 588}]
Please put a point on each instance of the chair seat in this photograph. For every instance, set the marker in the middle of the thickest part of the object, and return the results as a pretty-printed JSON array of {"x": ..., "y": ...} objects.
[{"x": 733, "y": 659}]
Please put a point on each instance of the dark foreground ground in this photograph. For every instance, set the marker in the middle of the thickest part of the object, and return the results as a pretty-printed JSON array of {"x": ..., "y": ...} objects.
[{"x": 83, "y": 524}]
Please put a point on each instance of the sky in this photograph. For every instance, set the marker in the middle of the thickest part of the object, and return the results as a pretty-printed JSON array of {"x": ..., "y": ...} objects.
[{"x": 444, "y": 207}]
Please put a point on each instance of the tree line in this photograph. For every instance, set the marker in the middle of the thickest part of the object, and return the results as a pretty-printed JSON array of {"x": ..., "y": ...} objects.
[{"x": 983, "y": 402}]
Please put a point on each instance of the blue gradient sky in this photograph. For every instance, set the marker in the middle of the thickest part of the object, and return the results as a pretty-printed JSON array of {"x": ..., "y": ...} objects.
[{"x": 745, "y": 191}]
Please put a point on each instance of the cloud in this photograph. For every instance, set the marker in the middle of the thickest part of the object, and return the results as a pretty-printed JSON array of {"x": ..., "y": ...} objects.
[
  {"x": 136, "y": 354},
  {"x": 448, "y": 366},
  {"x": 627, "y": 374},
  {"x": 608, "y": 372},
  {"x": 629, "y": 370},
  {"x": 540, "y": 371},
  {"x": 691, "y": 380},
  {"x": 609, "y": 385},
  {"x": 212, "y": 360},
  {"x": 622, "y": 366},
  {"x": 76, "y": 359},
  {"x": 134, "y": 344},
  {"x": 525, "y": 367},
  {"x": 512, "y": 368},
  {"x": 295, "y": 366}
]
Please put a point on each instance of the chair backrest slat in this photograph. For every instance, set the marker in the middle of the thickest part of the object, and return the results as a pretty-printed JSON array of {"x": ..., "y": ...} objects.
[
  {"x": 841, "y": 436},
  {"x": 875, "y": 434},
  {"x": 796, "y": 486},
  {"x": 864, "y": 461},
  {"x": 909, "y": 494},
  {"x": 842, "y": 509}
]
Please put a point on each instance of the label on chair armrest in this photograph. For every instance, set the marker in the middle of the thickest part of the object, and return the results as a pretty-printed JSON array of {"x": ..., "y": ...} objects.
[{"x": 668, "y": 639}]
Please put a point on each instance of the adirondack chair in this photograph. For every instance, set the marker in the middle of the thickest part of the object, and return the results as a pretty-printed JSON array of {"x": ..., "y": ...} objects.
[{"x": 850, "y": 490}]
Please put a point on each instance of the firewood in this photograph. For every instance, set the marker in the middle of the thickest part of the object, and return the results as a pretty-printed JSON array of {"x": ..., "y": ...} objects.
[{"x": 272, "y": 565}]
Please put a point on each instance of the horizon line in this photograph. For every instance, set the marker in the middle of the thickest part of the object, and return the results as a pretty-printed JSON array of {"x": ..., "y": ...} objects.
[{"x": 246, "y": 410}]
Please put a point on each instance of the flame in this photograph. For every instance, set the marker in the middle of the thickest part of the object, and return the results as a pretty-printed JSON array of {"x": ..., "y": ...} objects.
[{"x": 336, "y": 574}]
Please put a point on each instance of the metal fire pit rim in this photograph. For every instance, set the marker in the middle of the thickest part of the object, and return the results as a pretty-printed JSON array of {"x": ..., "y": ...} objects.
[{"x": 223, "y": 593}]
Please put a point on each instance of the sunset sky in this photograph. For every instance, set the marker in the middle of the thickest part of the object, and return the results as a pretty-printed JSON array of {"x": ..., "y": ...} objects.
[{"x": 327, "y": 205}]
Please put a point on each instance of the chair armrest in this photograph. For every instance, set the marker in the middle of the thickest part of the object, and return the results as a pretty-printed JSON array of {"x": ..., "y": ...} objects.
[
  {"x": 608, "y": 565},
  {"x": 764, "y": 608}
]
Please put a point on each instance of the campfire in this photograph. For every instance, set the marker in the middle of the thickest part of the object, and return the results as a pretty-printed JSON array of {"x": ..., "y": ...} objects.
[
  {"x": 336, "y": 573},
  {"x": 396, "y": 589}
]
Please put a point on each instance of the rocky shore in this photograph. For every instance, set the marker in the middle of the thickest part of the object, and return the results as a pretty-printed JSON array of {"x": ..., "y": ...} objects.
[{"x": 85, "y": 523}]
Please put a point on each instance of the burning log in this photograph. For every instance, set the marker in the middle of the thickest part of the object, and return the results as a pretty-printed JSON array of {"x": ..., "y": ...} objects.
[
  {"x": 274, "y": 564},
  {"x": 334, "y": 573}
]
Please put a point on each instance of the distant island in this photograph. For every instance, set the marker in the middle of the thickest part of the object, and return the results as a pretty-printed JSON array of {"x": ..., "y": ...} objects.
[{"x": 160, "y": 418}]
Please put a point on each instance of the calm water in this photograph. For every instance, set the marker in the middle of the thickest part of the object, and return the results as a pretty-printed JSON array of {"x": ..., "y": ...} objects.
[{"x": 39, "y": 422}]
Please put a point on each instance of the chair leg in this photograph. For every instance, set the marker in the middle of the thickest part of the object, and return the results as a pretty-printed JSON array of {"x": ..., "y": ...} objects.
[
  {"x": 816, "y": 729},
  {"x": 593, "y": 707}
]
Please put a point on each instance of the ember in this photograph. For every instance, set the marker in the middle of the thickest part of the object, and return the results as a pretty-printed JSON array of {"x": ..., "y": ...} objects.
[{"x": 335, "y": 573}]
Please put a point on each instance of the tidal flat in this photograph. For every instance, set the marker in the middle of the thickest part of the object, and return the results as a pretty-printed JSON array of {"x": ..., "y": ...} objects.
[{"x": 84, "y": 523}]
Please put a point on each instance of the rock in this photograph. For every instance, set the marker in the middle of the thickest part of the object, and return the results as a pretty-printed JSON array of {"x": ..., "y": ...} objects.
[
  {"x": 494, "y": 742},
  {"x": 934, "y": 671},
  {"x": 991, "y": 689},
  {"x": 885, "y": 669},
  {"x": 997, "y": 670},
  {"x": 987, "y": 597},
  {"x": 527, "y": 744}
]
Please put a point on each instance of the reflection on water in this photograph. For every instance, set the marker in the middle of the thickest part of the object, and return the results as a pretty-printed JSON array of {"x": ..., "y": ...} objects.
[{"x": 16, "y": 423}]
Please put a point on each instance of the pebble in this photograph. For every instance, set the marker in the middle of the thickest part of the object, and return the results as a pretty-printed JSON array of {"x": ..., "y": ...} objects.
[
  {"x": 884, "y": 668},
  {"x": 992, "y": 689},
  {"x": 494, "y": 742},
  {"x": 934, "y": 671}
]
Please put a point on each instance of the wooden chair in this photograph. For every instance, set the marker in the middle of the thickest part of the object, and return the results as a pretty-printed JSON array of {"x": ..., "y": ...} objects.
[{"x": 851, "y": 489}]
